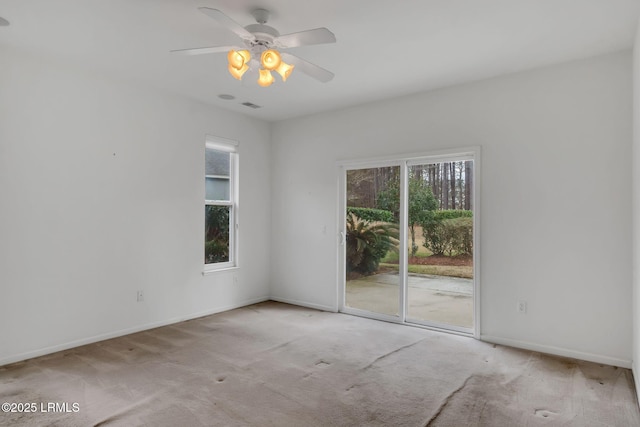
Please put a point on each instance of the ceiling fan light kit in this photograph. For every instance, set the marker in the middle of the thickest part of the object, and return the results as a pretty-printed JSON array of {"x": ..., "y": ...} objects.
[
  {"x": 284, "y": 70},
  {"x": 238, "y": 58},
  {"x": 270, "y": 60},
  {"x": 238, "y": 72},
  {"x": 265, "y": 79},
  {"x": 261, "y": 41}
]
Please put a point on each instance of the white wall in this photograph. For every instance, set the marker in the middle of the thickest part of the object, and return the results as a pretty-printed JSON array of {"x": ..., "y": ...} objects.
[
  {"x": 636, "y": 210},
  {"x": 82, "y": 229},
  {"x": 555, "y": 186},
  {"x": 102, "y": 194}
]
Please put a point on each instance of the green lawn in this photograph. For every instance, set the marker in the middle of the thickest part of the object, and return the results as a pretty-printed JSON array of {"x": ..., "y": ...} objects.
[
  {"x": 436, "y": 270},
  {"x": 390, "y": 262},
  {"x": 422, "y": 251}
]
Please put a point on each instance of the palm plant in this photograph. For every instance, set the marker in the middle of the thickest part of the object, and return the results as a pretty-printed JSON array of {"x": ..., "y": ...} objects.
[{"x": 368, "y": 242}]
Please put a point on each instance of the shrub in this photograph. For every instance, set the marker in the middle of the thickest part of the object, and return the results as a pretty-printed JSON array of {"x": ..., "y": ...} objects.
[
  {"x": 460, "y": 233},
  {"x": 451, "y": 214},
  {"x": 449, "y": 235},
  {"x": 371, "y": 214},
  {"x": 216, "y": 246},
  {"x": 216, "y": 251},
  {"x": 435, "y": 237},
  {"x": 367, "y": 243}
]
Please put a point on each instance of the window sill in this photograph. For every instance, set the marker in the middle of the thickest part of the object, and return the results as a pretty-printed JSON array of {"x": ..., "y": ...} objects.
[{"x": 209, "y": 272}]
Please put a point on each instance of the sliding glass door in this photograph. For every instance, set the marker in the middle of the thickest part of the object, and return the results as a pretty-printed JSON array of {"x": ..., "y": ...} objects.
[
  {"x": 372, "y": 282},
  {"x": 408, "y": 233},
  {"x": 440, "y": 261}
]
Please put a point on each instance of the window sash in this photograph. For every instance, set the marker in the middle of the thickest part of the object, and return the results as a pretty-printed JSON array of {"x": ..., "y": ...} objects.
[
  {"x": 229, "y": 146},
  {"x": 218, "y": 203}
]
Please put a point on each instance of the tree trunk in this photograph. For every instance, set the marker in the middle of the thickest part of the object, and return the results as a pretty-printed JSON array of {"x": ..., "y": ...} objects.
[
  {"x": 460, "y": 188},
  {"x": 414, "y": 248},
  {"x": 417, "y": 170},
  {"x": 445, "y": 185},
  {"x": 432, "y": 180},
  {"x": 468, "y": 177},
  {"x": 452, "y": 175}
]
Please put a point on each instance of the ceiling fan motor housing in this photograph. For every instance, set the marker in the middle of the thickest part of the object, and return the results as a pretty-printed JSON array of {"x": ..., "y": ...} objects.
[{"x": 263, "y": 37}]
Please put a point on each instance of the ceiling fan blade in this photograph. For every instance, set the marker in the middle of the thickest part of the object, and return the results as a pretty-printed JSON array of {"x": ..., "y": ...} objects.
[
  {"x": 305, "y": 38},
  {"x": 227, "y": 22},
  {"x": 203, "y": 50},
  {"x": 308, "y": 68}
]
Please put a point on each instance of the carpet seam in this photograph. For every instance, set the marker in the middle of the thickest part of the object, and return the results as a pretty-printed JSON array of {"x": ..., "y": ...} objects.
[{"x": 446, "y": 400}]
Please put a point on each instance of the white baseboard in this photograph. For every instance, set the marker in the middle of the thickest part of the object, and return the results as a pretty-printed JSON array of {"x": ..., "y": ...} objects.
[
  {"x": 558, "y": 351},
  {"x": 122, "y": 332},
  {"x": 305, "y": 304}
]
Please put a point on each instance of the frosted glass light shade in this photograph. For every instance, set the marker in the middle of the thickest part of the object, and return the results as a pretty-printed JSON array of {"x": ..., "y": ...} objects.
[
  {"x": 238, "y": 58},
  {"x": 237, "y": 73},
  {"x": 285, "y": 70},
  {"x": 265, "y": 79},
  {"x": 270, "y": 59}
]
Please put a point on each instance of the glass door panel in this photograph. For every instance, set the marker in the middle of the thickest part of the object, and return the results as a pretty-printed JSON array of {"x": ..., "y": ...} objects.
[
  {"x": 371, "y": 240},
  {"x": 440, "y": 282}
]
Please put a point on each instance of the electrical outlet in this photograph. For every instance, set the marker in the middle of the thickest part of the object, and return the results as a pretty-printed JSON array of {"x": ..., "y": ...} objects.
[
  {"x": 522, "y": 306},
  {"x": 140, "y": 296}
]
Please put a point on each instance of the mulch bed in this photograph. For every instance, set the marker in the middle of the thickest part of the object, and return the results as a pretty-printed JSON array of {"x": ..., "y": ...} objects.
[{"x": 460, "y": 260}]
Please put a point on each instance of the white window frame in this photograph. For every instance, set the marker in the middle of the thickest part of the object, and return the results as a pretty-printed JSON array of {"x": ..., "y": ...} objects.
[{"x": 231, "y": 147}]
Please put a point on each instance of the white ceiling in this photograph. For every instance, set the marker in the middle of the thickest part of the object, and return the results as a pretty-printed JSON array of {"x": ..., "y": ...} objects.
[{"x": 384, "y": 48}]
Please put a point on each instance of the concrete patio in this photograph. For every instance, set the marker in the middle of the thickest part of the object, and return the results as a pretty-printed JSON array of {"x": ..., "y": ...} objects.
[{"x": 441, "y": 299}]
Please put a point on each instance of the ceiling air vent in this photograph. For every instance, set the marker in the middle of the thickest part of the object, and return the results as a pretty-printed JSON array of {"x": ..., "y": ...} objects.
[{"x": 251, "y": 105}]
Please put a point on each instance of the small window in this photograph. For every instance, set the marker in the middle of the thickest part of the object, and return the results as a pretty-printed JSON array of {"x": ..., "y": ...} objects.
[{"x": 221, "y": 165}]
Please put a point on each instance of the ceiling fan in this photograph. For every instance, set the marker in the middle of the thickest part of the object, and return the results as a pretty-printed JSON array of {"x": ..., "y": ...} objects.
[{"x": 260, "y": 50}]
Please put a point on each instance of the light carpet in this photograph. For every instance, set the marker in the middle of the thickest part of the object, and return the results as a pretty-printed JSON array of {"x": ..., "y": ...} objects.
[{"x": 274, "y": 364}]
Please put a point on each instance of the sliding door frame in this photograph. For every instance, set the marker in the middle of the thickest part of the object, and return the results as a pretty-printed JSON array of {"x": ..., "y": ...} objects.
[
  {"x": 343, "y": 167},
  {"x": 404, "y": 161}
]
